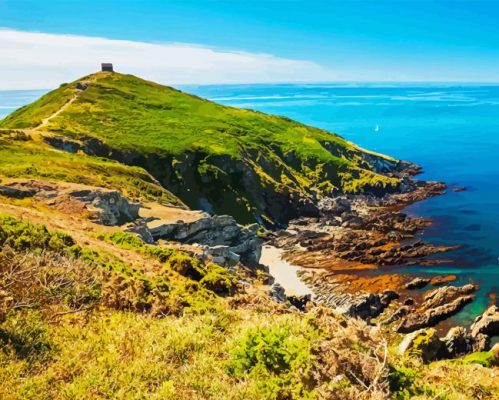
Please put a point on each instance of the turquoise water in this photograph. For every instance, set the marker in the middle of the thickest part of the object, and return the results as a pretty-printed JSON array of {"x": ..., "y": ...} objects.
[{"x": 451, "y": 131}]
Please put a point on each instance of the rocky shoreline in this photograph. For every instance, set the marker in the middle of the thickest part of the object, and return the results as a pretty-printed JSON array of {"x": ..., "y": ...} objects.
[{"x": 345, "y": 253}]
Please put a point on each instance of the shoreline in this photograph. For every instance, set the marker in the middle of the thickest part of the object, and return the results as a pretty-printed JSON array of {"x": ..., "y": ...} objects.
[{"x": 349, "y": 257}]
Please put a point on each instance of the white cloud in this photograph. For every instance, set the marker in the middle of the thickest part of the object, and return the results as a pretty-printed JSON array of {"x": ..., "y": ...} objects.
[{"x": 40, "y": 60}]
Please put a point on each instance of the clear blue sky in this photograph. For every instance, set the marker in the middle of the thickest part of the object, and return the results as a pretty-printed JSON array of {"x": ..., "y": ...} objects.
[{"x": 372, "y": 40}]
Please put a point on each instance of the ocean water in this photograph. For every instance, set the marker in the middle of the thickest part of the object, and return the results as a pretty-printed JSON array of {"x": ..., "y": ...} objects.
[{"x": 451, "y": 131}]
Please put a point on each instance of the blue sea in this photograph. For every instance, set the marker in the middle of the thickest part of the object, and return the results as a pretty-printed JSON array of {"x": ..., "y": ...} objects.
[{"x": 451, "y": 131}]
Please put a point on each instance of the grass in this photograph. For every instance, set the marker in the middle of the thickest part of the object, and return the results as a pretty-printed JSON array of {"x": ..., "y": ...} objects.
[
  {"x": 34, "y": 159},
  {"x": 238, "y": 160},
  {"x": 77, "y": 323}
]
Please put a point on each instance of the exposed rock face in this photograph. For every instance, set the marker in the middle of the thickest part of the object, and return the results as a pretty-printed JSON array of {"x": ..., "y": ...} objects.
[
  {"x": 108, "y": 207},
  {"x": 438, "y": 305},
  {"x": 487, "y": 323},
  {"x": 224, "y": 238}
]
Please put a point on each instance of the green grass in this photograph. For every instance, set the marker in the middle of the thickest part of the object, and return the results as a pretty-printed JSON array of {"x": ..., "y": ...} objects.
[
  {"x": 30, "y": 159},
  {"x": 245, "y": 163}
]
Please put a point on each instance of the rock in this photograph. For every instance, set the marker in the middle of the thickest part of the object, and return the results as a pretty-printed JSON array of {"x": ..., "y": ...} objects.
[
  {"x": 487, "y": 323},
  {"x": 423, "y": 343},
  {"x": 16, "y": 193},
  {"x": 442, "y": 280},
  {"x": 300, "y": 302},
  {"x": 222, "y": 255},
  {"x": 481, "y": 342},
  {"x": 140, "y": 229},
  {"x": 438, "y": 305},
  {"x": 409, "y": 301},
  {"x": 278, "y": 292},
  {"x": 334, "y": 206},
  {"x": 220, "y": 230},
  {"x": 457, "y": 342},
  {"x": 387, "y": 297},
  {"x": 109, "y": 207},
  {"x": 417, "y": 283},
  {"x": 399, "y": 313}
]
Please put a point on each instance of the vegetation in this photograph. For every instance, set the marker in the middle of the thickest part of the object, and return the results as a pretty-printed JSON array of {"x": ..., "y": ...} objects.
[
  {"x": 244, "y": 163},
  {"x": 99, "y": 314},
  {"x": 78, "y": 323},
  {"x": 28, "y": 158}
]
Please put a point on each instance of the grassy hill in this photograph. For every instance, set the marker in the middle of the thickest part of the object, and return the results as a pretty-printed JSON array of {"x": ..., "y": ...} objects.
[
  {"x": 89, "y": 311},
  {"x": 254, "y": 166}
]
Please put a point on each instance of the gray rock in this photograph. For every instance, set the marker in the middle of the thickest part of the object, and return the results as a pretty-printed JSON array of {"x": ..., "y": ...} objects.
[
  {"x": 423, "y": 343},
  {"x": 110, "y": 207},
  {"x": 16, "y": 192},
  {"x": 220, "y": 230}
]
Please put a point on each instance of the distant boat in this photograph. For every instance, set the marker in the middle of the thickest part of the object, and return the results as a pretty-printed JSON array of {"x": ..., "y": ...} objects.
[{"x": 376, "y": 128}]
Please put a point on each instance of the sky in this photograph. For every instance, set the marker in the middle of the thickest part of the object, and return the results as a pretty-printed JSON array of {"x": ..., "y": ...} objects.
[{"x": 43, "y": 43}]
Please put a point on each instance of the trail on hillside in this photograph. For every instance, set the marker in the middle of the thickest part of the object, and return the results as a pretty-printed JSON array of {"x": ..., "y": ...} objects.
[{"x": 45, "y": 121}]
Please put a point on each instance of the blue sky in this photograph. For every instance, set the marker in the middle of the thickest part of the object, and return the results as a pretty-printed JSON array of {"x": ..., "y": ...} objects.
[{"x": 346, "y": 40}]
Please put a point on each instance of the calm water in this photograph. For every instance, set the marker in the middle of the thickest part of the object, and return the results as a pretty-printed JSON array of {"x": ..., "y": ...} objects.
[{"x": 452, "y": 131}]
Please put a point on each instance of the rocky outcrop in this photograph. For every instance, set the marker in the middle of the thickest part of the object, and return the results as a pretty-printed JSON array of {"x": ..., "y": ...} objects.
[
  {"x": 17, "y": 193},
  {"x": 222, "y": 237},
  {"x": 330, "y": 293},
  {"x": 438, "y": 305},
  {"x": 108, "y": 207},
  {"x": 423, "y": 343},
  {"x": 487, "y": 323},
  {"x": 417, "y": 283},
  {"x": 457, "y": 342}
]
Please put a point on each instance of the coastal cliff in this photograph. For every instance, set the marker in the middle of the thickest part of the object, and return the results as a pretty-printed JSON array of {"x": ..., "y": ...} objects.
[{"x": 132, "y": 220}]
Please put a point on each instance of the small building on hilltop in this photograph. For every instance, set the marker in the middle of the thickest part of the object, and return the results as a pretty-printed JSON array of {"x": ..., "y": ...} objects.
[{"x": 107, "y": 67}]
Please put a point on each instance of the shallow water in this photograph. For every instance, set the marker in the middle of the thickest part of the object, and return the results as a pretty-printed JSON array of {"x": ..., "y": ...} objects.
[{"x": 452, "y": 131}]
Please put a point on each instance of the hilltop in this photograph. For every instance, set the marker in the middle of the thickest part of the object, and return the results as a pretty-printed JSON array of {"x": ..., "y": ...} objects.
[{"x": 256, "y": 167}]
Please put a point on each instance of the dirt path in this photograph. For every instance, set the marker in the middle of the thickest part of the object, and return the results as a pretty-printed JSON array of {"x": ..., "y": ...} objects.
[{"x": 45, "y": 121}]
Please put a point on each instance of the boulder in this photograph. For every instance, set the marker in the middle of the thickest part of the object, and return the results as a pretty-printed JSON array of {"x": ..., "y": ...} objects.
[
  {"x": 224, "y": 239},
  {"x": 108, "y": 207},
  {"x": 457, "y": 342},
  {"x": 423, "y": 343},
  {"x": 16, "y": 193},
  {"x": 487, "y": 323}
]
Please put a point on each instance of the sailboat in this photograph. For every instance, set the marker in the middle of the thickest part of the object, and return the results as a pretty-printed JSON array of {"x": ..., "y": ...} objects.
[{"x": 376, "y": 128}]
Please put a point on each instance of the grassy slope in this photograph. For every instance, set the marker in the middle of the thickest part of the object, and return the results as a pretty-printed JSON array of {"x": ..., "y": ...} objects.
[
  {"x": 236, "y": 153},
  {"x": 79, "y": 323},
  {"x": 22, "y": 157}
]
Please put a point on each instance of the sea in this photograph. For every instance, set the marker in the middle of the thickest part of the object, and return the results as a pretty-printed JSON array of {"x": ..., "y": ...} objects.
[{"x": 451, "y": 130}]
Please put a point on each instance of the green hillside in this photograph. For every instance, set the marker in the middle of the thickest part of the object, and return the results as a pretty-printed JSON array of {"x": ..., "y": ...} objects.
[{"x": 226, "y": 160}]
